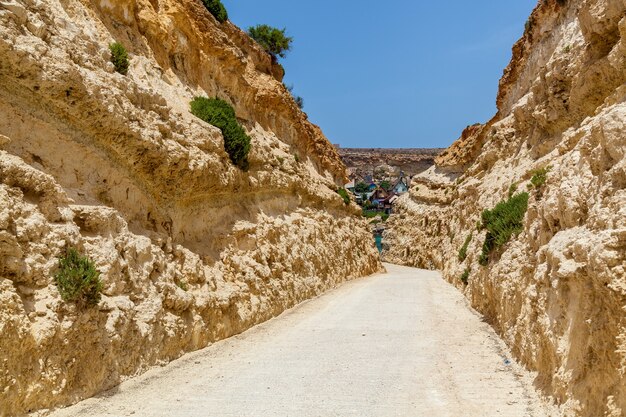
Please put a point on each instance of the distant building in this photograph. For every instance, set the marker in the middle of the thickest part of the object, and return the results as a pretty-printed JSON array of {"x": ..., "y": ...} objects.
[{"x": 401, "y": 186}]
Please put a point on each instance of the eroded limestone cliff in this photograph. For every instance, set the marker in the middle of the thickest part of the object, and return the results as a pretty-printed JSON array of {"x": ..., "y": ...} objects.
[
  {"x": 557, "y": 291},
  {"x": 191, "y": 249}
]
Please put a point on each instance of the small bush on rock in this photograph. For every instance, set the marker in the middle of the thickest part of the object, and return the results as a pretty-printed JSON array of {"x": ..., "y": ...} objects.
[
  {"x": 182, "y": 285},
  {"x": 274, "y": 41},
  {"x": 299, "y": 100},
  {"x": 78, "y": 280},
  {"x": 540, "y": 177},
  {"x": 344, "y": 194},
  {"x": 217, "y": 9},
  {"x": 463, "y": 250},
  {"x": 221, "y": 115},
  {"x": 119, "y": 57},
  {"x": 502, "y": 222},
  {"x": 465, "y": 276}
]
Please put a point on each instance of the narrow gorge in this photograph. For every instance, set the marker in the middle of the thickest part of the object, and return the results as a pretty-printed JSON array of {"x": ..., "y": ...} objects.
[
  {"x": 190, "y": 248},
  {"x": 555, "y": 289},
  {"x": 194, "y": 226}
]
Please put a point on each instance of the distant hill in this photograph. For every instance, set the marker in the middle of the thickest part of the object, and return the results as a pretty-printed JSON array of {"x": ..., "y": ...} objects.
[{"x": 411, "y": 161}]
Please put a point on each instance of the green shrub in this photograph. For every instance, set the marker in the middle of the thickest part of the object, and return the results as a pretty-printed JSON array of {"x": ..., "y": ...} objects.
[
  {"x": 119, "y": 57},
  {"x": 502, "y": 222},
  {"x": 385, "y": 185},
  {"x": 465, "y": 276},
  {"x": 274, "y": 41},
  {"x": 512, "y": 189},
  {"x": 361, "y": 188},
  {"x": 217, "y": 9},
  {"x": 299, "y": 102},
  {"x": 221, "y": 115},
  {"x": 528, "y": 25},
  {"x": 463, "y": 250},
  {"x": 344, "y": 194},
  {"x": 182, "y": 285},
  {"x": 78, "y": 280},
  {"x": 540, "y": 177},
  {"x": 371, "y": 214}
]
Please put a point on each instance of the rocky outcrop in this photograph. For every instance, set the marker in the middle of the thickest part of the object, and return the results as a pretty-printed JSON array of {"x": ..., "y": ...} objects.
[
  {"x": 190, "y": 248},
  {"x": 556, "y": 292},
  {"x": 365, "y": 161}
]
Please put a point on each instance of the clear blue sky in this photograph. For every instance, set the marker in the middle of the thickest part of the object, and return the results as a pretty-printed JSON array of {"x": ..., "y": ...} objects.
[{"x": 403, "y": 73}]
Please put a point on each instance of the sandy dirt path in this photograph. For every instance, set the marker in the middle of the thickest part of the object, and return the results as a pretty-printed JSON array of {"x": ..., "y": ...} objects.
[{"x": 400, "y": 344}]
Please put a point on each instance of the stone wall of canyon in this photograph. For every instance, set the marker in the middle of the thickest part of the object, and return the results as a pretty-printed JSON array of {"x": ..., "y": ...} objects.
[
  {"x": 556, "y": 292},
  {"x": 191, "y": 249}
]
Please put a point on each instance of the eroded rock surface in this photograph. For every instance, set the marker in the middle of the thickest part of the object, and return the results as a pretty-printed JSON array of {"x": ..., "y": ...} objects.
[
  {"x": 365, "y": 161},
  {"x": 556, "y": 292},
  {"x": 191, "y": 249}
]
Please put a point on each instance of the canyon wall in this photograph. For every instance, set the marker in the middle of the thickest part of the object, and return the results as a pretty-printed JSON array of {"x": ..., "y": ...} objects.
[
  {"x": 190, "y": 248},
  {"x": 556, "y": 292}
]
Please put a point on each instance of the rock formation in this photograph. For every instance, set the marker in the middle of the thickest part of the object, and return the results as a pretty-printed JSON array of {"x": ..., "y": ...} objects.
[
  {"x": 190, "y": 248},
  {"x": 556, "y": 292},
  {"x": 365, "y": 161}
]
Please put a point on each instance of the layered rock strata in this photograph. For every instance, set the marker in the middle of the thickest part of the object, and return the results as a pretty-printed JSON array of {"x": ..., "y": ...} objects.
[
  {"x": 556, "y": 292},
  {"x": 366, "y": 161},
  {"x": 190, "y": 248}
]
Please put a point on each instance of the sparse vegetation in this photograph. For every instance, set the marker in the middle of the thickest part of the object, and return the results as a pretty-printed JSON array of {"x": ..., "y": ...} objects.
[
  {"x": 119, "y": 57},
  {"x": 502, "y": 222},
  {"x": 371, "y": 214},
  {"x": 540, "y": 177},
  {"x": 182, "y": 285},
  {"x": 296, "y": 157},
  {"x": 221, "y": 115},
  {"x": 463, "y": 250},
  {"x": 78, "y": 280},
  {"x": 528, "y": 25},
  {"x": 344, "y": 194},
  {"x": 512, "y": 189},
  {"x": 273, "y": 40},
  {"x": 465, "y": 276},
  {"x": 299, "y": 100},
  {"x": 217, "y": 9}
]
